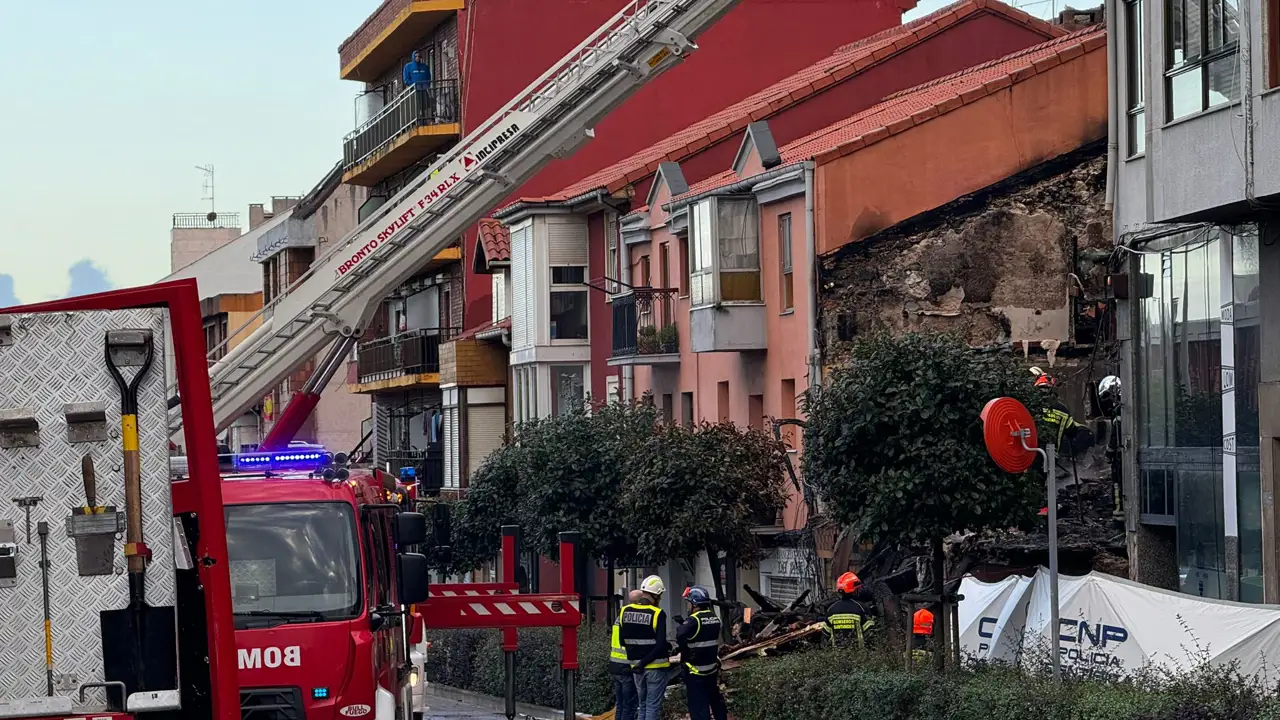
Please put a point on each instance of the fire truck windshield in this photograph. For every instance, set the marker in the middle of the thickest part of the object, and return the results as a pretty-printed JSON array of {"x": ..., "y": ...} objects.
[{"x": 293, "y": 562}]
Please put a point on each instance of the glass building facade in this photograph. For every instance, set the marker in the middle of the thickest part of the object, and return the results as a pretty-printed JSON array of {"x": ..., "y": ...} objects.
[{"x": 1197, "y": 372}]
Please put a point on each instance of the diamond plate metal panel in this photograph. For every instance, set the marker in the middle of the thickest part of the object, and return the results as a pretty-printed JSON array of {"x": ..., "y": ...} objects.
[{"x": 56, "y": 359}]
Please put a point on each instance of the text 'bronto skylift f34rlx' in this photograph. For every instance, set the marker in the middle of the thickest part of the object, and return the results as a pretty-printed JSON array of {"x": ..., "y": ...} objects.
[{"x": 140, "y": 586}]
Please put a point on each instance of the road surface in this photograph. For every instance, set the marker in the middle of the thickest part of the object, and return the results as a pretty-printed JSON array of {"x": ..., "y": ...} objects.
[{"x": 441, "y": 709}]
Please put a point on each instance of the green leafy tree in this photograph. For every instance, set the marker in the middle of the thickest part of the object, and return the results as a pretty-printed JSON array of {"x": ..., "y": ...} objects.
[
  {"x": 492, "y": 501},
  {"x": 572, "y": 474},
  {"x": 703, "y": 489},
  {"x": 894, "y": 442}
]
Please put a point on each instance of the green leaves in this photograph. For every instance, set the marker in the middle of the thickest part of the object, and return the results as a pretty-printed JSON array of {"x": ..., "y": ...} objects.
[
  {"x": 894, "y": 443},
  {"x": 634, "y": 488}
]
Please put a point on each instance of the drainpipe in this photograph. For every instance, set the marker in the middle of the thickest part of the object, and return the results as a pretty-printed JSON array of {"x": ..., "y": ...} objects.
[
  {"x": 628, "y": 378},
  {"x": 811, "y": 249},
  {"x": 1113, "y": 107}
]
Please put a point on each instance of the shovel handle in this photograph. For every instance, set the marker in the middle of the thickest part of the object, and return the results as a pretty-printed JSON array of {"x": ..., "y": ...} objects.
[{"x": 90, "y": 481}]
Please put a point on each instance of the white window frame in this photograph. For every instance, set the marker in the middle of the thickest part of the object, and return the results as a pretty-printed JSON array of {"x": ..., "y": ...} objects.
[
  {"x": 612, "y": 255},
  {"x": 705, "y": 252},
  {"x": 554, "y": 374},
  {"x": 580, "y": 288}
]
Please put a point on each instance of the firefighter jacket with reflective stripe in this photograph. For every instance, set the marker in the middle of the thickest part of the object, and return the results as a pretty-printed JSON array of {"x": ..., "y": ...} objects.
[
  {"x": 1059, "y": 418},
  {"x": 848, "y": 621},
  {"x": 699, "y": 639},
  {"x": 920, "y": 651},
  {"x": 642, "y": 632}
]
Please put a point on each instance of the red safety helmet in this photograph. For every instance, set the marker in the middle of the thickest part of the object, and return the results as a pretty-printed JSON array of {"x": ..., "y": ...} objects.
[
  {"x": 922, "y": 622},
  {"x": 848, "y": 583},
  {"x": 1045, "y": 381}
]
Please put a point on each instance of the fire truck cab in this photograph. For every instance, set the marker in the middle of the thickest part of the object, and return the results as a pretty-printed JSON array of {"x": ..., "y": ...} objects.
[{"x": 321, "y": 577}]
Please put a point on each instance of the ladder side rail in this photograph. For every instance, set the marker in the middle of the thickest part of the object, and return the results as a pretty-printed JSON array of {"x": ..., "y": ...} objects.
[{"x": 527, "y": 152}]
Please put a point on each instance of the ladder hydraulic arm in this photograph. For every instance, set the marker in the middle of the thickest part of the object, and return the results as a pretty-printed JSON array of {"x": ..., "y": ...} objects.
[{"x": 556, "y": 114}]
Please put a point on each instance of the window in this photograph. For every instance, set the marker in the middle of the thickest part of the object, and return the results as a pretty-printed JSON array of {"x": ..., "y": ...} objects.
[
  {"x": 501, "y": 310},
  {"x": 1273, "y": 42},
  {"x": 788, "y": 409},
  {"x": 1202, "y": 65},
  {"x": 685, "y": 274},
  {"x": 568, "y": 303},
  {"x": 782, "y": 589},
  {"x": 787, "y": 286},
  {"x": 215, "y": 337},
  {"x": 664, "y": 269},
  {"x": 686, "y": 408},
  {"x": 1137, "y": 77},
  {"x": 722, "y": 401},
  {"x": 612, "y": 244},
  {"x": 668, "y": 408},
  {"x": 755, "y": 411},
  {"x": 645, "y": 271},
  {"x": 568, "y": 388},
  {"x": 725, "y": 246}
]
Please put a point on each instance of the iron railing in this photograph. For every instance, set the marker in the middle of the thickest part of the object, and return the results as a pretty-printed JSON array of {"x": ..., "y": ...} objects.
[
  {"x": 644, "y": 322},
  {"x": 408, "y": 353},
  {"x": 433, "y": 103},
  {"x": 206, "y": 221},
  {"x": 429, "y": 465}
]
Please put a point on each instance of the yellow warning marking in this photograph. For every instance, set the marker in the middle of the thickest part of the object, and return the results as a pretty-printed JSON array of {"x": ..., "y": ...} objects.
[{"x": 658, "y": 57}]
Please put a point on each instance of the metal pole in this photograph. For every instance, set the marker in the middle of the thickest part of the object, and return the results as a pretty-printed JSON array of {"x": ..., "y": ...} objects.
[
  {"x": 510, "y": 559},
  {"x": 1050, "y": 462},
  {"x": 510, "y": 662},
  {"x": 570, "y": 694},
  {"x": 48, "y": 630}
]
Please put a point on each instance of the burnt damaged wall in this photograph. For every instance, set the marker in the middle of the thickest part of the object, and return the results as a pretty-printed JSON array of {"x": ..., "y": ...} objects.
[{"x": 1020, "y": 264}]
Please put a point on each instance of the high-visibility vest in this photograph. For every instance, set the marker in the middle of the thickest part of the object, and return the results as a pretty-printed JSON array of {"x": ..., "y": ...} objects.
[
  {"x": 848, "y": 619},
  {"x": 704, "y": 644},
  {"x": 638, "y": 633},
  {"x": 617, "y": 652}
]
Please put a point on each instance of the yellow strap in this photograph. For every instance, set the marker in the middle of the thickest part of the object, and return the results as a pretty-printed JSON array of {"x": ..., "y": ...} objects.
[{"x": 129, "y": 432}]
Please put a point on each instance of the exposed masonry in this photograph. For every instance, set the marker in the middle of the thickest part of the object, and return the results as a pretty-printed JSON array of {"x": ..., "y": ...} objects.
[{"x": 994, "y": 265}]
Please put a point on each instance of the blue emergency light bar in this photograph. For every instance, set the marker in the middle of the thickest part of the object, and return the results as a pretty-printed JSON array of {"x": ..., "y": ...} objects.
[{"x": 282, "y": 460}]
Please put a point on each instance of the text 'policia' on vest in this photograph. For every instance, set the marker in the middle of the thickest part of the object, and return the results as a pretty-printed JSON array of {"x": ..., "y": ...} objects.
[
  {"x": 635, "y": 634},
  {"x": 704, "y": 644}
]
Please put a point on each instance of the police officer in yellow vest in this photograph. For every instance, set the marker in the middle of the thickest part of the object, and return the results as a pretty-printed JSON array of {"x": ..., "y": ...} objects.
[
  {"x": 699, "y": 641},
  {"x": 640, "y": 644},
  {"x": 626, "y": 699},
  {"x": 848, "y": 620}
]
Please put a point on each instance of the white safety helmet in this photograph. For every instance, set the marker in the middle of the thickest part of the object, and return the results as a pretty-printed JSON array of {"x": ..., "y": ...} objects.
[{"x": 653, "y": 585}]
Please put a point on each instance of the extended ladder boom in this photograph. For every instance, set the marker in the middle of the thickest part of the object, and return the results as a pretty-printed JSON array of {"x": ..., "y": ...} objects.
[{"x": 555, "y": 115}]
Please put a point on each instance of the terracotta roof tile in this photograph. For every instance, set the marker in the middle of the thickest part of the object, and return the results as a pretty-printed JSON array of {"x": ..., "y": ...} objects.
[
  {"x": 495, "y": 238},
  {"x": 503, "y": 324},
  {"x": 847, "y": 60},
  {"x": 922, "y": 103}
]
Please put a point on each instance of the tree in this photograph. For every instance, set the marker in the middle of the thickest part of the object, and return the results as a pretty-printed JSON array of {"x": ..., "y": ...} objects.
[
  {"x": 492, "y": 501},
  {"x": 573, "y": 469},
  {"x": 894, "y": 443},
  {"x": 703, "y": 489}
]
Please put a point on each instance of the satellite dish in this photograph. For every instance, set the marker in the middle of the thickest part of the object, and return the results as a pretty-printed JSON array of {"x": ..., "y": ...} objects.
[{"x": 211, "y": 216}]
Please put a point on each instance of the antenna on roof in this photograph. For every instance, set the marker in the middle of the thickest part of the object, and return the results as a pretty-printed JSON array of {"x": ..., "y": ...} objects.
[{"x": 207, "y": 190}]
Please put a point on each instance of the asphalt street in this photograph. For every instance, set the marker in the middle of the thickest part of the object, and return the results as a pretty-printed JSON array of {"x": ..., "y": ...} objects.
[{"x": 441, "y": 709}]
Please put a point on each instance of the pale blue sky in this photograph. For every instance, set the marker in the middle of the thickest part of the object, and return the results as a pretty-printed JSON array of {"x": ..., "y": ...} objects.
[{"x": 109, "y": 106}]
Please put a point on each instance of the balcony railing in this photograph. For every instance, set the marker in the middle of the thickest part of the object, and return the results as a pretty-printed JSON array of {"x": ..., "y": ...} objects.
[
  {"x": 644, "y": 322},
  {"x": 206, "y": 221},
  {"x": 429, "y": 465},
  {"x": 418, "y": 106},
  {"x": 410, "y": 353}
]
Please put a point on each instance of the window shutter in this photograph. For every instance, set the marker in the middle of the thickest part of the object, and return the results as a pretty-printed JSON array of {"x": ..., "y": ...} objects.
[
  {"x": 522, "y": 326},
  {"x": 485, "y": 428},
  {"x": 566, "y": 241},
  {"x": 451, "y": 454}
]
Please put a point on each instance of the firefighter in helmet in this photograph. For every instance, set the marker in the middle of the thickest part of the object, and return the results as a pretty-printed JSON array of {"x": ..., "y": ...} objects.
[
  {"x": 1068, "y": 434},
  {"x": 849, "y": 619},
  {"x": 921, "y": 635}
]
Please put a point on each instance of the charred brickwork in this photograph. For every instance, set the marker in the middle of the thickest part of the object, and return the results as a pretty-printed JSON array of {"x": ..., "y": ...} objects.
[{"x": 1020, "y": 266}]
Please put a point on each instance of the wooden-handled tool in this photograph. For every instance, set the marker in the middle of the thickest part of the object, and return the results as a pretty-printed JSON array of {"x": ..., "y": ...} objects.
[{"x": 90, "y": 486}]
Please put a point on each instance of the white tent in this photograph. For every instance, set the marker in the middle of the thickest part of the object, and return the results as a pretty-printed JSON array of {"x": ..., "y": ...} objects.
[{"x": 1116, "y": 625}]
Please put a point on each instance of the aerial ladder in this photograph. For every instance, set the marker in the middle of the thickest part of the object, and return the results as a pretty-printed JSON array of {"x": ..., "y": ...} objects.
[{"x": 334, "y": 301}]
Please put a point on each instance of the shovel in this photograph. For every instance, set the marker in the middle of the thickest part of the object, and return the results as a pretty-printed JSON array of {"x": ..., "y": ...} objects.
[{"x": 139, "y": 643}]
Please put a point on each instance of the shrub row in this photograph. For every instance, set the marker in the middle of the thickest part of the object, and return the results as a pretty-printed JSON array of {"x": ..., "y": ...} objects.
[{"x": 824, "y": 683}]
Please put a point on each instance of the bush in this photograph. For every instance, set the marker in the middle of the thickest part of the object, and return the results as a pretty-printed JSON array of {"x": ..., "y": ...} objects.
[
  {"x": 824, "y": 683},
  {"x": 472, "y": 660}
]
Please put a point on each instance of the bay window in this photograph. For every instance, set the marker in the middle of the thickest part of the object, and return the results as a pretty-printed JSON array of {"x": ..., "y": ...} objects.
[
  {"x": 1201, "y": 55},
  {"x": 724, "y": 246}
]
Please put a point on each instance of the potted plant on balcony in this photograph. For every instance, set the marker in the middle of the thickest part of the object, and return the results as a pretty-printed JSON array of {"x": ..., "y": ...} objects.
[
  {"x": 668, "y": 339},
  {"x": 647, "y": 340}
]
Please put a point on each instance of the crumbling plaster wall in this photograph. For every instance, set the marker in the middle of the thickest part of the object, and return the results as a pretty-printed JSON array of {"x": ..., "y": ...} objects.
[{"x": 996, "y": 266}]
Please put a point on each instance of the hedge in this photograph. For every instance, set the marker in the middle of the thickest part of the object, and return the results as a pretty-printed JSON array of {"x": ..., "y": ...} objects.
[{"x": 824, "y": 683}]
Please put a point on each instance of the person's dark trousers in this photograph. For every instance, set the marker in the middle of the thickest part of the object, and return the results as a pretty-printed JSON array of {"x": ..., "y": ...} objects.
[
  {"x": 426, "y": 103},
  {"x": 705, "y": 700},
  {"x": 626, "y": 699}
]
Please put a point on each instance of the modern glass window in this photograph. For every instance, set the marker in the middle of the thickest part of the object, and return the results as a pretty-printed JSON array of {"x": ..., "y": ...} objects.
[
  {"x": 1247, "y": 372},
  {"x": 568, "y": 388},
  {"x": 724, "y": 238},
  {"x": 1202, "y": 68},
  {"x": 787, "y": 286},
  {"x": 568, "y": 303},
  {"x": 1137, "y": 77}
]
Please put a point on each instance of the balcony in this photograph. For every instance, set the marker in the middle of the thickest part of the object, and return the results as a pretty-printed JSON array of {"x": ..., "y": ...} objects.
[
  {"x": 409, "y": 359},
  {"x": 390, "y": 34},
  {"x": 644, "y": 329},
  {"x": 418, "y": 122},
  {"x": 428, "y": 464}
]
